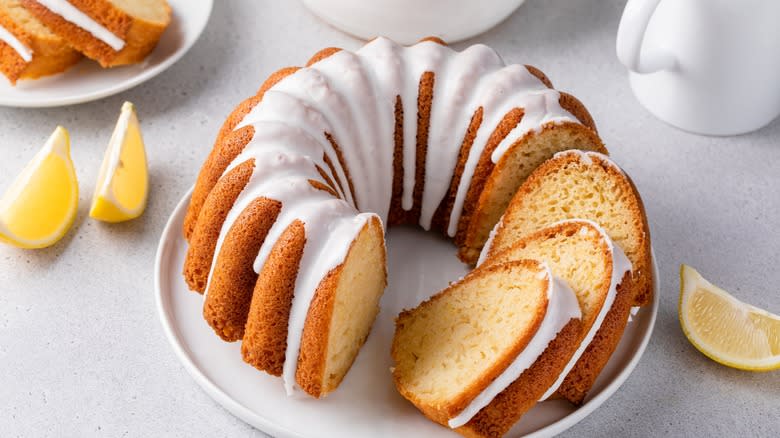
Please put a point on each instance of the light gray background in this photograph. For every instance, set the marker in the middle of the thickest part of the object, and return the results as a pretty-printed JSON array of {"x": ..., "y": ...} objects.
[{"x": 81, "y": 348}]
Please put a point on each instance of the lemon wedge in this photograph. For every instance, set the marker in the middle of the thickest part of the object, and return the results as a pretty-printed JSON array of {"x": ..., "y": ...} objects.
[
  {"x": 123, "y": 182},
  {"x": 725, "y": 329},
  {"x": 40, "y": 205}
]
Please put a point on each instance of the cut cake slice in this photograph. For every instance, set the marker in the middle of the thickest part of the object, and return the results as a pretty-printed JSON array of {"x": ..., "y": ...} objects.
[
  {"x": 479, "y": 354},
  {"x": 28, "y": 49},
  {"x": 580, "y": 252}
]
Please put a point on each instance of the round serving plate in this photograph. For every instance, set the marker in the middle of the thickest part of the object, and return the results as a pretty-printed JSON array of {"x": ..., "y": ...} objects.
[
  {"x": 87, "y": 81},
  {"x": 366, "y": 403}
]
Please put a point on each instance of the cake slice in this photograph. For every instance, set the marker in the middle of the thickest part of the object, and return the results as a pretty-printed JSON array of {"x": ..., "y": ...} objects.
[
  {"x": 112, "y": 32},
  {"x": 28, "y": 49},
  {"x": 580, "y": 252},
  {"x": 338, "y": 319},
  {"x": 479, "y": 354},
  {"x": 586, "y": 185}
]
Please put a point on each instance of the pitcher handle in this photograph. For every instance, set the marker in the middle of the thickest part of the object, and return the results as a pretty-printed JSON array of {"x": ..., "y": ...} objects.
[{"x": 631, "y": 33}]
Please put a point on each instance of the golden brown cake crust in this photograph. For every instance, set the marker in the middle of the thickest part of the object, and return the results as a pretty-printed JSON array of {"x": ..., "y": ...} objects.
[
  {"x": 540, "y": 75},
  {"x": 140, "y": 36},
  {"x": 424, "y": 103},
  {"x": 643, "y": 276},
  {"x": 442, "y": 216},
  {"x": 581, "y": 378},
  {"x": 200, "y": 254},
  {"x": 484, "y": 169},
  {"x": 395, "y": 215},
  {"x": 578, "y": 110},
  {"x": 229, "y": 295},
  {"x": 265, "y": 336},
  {"x": 495, "y": 419},
  {"x": 11, "y": 63},
  {"x": 228, "y": 145},
  {"x": 322, "y": 54},
  {"x": 51, "y": 54},
  {"x": 442, "y": 414}
]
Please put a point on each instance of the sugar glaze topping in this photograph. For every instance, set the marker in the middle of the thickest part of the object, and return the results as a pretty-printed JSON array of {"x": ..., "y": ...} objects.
[
  {"x": 7, "y": 37},
  {"x": 70, "y": 13}
]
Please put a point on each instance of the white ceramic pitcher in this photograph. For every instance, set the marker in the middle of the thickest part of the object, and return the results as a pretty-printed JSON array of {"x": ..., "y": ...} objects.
[{"x": 706, "y": 66}]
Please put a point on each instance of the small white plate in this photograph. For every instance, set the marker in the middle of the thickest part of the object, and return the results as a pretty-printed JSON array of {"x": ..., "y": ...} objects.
[
  {"x": 87, "y": 81},
  {"x": 366, "y": 403}
]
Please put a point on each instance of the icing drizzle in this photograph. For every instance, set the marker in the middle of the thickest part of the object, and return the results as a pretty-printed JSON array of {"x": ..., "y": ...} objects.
[
  {"x": 7, "y": 37},
  {"x": 350, "y": 97},
  {"x": 70, "y": 13}
]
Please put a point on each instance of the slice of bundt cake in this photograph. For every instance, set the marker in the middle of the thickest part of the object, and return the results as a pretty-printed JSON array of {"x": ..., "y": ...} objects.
[
  {"x": 28, "y": 49},
  {"x": 580, "y": 252},
  {"x": 112, "y": 32},
  {"x": 586, "y": 185},
  {"x": 334, "y": 326},
  {"x": 479, "y": 354}
]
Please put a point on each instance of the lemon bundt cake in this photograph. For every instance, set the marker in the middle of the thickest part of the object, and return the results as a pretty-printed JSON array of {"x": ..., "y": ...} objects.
[
  {"x": 285, "y": 224},
  {"x": 581, "y": 253},
  {"x": 479, "y": 354},
  {"x": 587, "y": 185},
  {"x": 28, "y": 49},
  {"x": 112, "y": 32}
]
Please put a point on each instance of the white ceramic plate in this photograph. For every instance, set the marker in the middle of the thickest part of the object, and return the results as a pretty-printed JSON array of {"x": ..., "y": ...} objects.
[
  {"x": 87, "y": 81},
  {"x": 366, "y": 404}
]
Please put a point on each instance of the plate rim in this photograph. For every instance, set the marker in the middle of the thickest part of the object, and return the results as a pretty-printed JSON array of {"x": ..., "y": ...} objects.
[
  {"x": 265, "y": 425},
  {"x": 126, "y": 84}
]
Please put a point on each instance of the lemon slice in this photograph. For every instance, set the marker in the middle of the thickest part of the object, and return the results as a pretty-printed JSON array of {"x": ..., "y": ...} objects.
[
  {"x": 725, "y": 329},
  {"x": 41, "y": 204},
  {"x": 123, "y": 182}
]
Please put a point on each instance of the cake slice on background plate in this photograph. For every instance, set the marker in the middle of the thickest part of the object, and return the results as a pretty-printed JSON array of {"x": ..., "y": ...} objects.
[
  {"x": 479, "y": 354},
  {"x": 598, "y": 271},
  {"x": 28, "y": 49},
  {"x": 586, "y": 185},
  {"x": 112, "y": 32}
]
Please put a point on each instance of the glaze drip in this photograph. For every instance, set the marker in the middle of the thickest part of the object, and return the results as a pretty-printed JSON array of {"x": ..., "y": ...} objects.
[
  {"x": 70, "y": 13},
  {"x": 7, "y": 37}
]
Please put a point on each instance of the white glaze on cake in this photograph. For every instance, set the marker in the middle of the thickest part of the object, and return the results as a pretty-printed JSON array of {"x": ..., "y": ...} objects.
[
  {"x": 562, "y": 307},
  {"x": 7, "y": 37},
  {"x": 70, "y": 13},
  {"x": 352, "y": 97},
  {"x": 620, "y": 266},
  {"x": 586, "y": 157}
]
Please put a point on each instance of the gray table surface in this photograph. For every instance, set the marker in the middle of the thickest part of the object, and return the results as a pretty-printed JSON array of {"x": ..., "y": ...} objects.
[{"x": 82, "y": 352}]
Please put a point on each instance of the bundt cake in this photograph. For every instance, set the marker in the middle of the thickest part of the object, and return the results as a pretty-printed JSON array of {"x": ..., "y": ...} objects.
[
  {"x": 28, "y": 49},
  {"x": 285, "y": 224},
  {"x": 479, "y": 354},
  {"x": 581, "y": 253},
  {"x": 112, "y": 32},
  {"x": 585, "y": 185}
]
